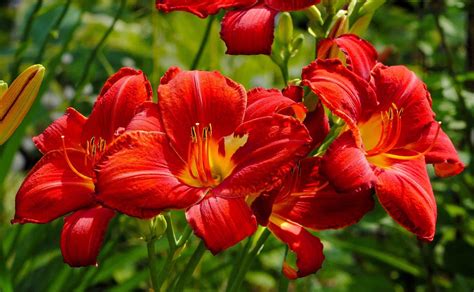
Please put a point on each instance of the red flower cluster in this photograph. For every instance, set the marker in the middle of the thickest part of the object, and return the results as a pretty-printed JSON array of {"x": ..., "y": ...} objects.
[
  {"x": 234, "y": 159},
  {"x": 246, "y": 30}
]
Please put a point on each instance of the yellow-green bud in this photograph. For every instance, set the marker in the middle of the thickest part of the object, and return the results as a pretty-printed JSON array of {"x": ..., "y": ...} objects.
[
  {"x": 370, "y": 6},
  {"x": 340, "y": 24},
  {"x": 314, "y": 14},
  {"x": 16, "y": 100},
  {"x": 3, "y": 87},
  {"x": 160, "y": 225},
  {"x": 297, "y": 43},
  {"x": 361, "y": 24},
  {"x": 285, "y": 28}
]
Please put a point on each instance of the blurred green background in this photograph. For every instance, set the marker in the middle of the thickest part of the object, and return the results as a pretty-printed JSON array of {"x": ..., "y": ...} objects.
[{"x": 433, "y": 38}]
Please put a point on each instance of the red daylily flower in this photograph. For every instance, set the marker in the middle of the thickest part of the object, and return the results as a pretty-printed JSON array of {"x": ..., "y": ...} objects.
[
  {"x": 206, "y": 147},
  {"x": 63, "y": 181},
  {"x": 390, "y": 133},
  {"x": 307, "y": 200},
  {"x": 247, "y": 30}
]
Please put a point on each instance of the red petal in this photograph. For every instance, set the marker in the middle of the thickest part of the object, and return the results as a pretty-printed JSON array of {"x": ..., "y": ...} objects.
[
  {"x": 344, "y": 93},
  {"x": 361, "y": 56},
  {"x": 249, "y": 31},
  {"x": 146, "y": 119},
  {"x": 294, "y": 92},
  {"x": 82, "y": 235},
  {"x": 317, "y": 124},
  {"x": 265, "y": 102},
  {"x": 442, "y": 155},
  {"x": 308, "y": 248},
  {"x": 69, "y": 125},
  {"x": 190, "y": 97},
  {"x": 290, "y": 5},
  {"x": 221, "y": 222},
  {"x": 315, "y": 204},
  {"x": 117, "y": 104},
  {"x": 273, "y": 146},
  {"x": 404, "y": 190},
  {"x": 52, "y": 189},
  {"x": 201, "y": 8},
  {"x": 137, "y": 176},
  {"x": 398, "y": 85},
  {"x": 346, "y": 167}
]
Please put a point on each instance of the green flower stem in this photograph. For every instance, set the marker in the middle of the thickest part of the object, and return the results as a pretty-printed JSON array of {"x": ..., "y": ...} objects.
[
  {"x": 191, "y": 266},
  {"x": 170, "y": 232},
  {"x": 184, "y": 237},
  {"x": 284, "y": 282},
  {"x": 18, "y": 58},
  {"x": 152, "y": 263},
  {"x": 247, "y": 261},
  {"x": 235, "y": 269},
  {"x": 54, "y": 28},
  {"x": 85, "y": 76},
  {"x": 204, "y": 40}
]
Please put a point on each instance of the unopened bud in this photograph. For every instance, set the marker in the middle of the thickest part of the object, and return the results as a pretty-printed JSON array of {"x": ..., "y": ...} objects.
[
  {"x": 297, "y": 43},
  {"x": 3, "y": 87},
  {"x": 160, "y": 225},
  {"x": 16, "y": 100},
  {"x": 370, "y": 6},
  {"x": 285, "y": 28},
  {"x": 361, "y": 24},
  {"x": 340, "y": 25}
]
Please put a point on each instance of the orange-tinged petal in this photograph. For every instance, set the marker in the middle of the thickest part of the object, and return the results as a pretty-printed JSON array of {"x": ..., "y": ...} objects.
[
  {"x": 265, "y": 102},
  {"x": 396, "y": 85},
  {"x": 116, "y": 105},
  {"x": 201, "y": 8},
  {"x": 82, "y": 235},
  {"x": 137, "y": 176},
  {"x": 207, "y": 98},
  {"x": 314, "y": 203},
  {"x": 404, "y": 190},
  {"x": 15, "y": 102},
  {"x": 69, "y": 125},
  {"x": 273, "y": 146},
  {"x": 360, "y": 55},
  {"x": 146, "y": 119},
  {"x": 342, "y": 91},
  {"x": 442, "y": 153},
  {"x": 52, "y": 189},
  {"x": 221, "y": 222},
  {"x": 290, "y": 5},
  {"x": 345, "y": 166},
  {"x": 308, "y": 248}
]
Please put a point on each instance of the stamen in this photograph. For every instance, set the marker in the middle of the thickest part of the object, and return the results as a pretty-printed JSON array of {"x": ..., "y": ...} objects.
[
  {"x": 411, "y": 157},
  {"x": 69, "y": 163}
]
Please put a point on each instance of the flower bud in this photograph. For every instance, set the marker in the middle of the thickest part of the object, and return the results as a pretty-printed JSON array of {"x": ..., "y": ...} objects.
[
  {"x": 370, "y": 6},
  {"x": 297, "y": 43},
  {"x": 160, "y": 225},
  {"x": 340, "y": 25},
  {"x": 16, "y": 100},
  {"x": 285, "y": 28}
]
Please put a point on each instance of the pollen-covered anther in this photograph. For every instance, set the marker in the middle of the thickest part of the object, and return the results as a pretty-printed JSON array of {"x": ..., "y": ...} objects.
[
  {"x": 199, "y": 156},
  {"x": 95, "y": 148}
]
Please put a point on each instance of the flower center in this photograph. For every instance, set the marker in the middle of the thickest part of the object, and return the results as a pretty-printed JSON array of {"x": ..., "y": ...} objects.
[
  {"x": 94, "y": 149},
  {"x": 71, "y": 165},
  {"x": 208, "y": 164},
  {"x": 379, "y": 147}
]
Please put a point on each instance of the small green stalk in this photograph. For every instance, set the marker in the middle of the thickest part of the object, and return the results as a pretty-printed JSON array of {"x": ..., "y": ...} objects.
[
  {"x": 190, "y": 267},
  {"x": 248, "y": 260},
  {"x": 202, "y": 46}
]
